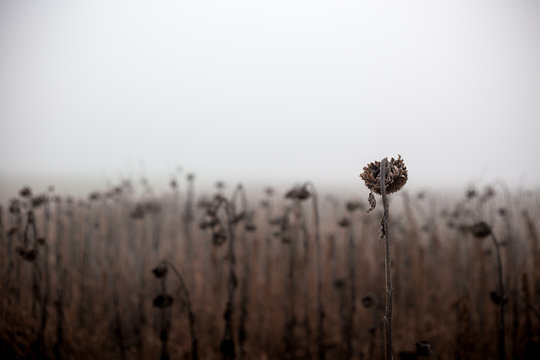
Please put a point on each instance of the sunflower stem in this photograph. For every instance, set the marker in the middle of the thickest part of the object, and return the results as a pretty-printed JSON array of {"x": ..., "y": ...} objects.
[
  {"x": 501, "y": 349},
  {"x": 387, "y": 264}
]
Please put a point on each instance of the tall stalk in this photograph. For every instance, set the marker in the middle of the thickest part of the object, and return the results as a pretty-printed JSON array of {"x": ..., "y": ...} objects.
[
  {"x": 188, "y": 221},
  {"x": 482, "y": 230},
  {"x": 221, "y": 234},
  {"x": 387, "y": 265},
  {"x": 61, "y": 281},
  {"x": 502, "y": 300},
  {"x": 383, "y": 178},
  {"x": 164, "y": 300},
  {"x": 227, "y": 344},
  {"x": 318, "y": 265}
]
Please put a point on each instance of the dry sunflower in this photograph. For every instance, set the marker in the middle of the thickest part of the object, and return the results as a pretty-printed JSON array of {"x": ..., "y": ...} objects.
[{"x": 395, "y": 178}]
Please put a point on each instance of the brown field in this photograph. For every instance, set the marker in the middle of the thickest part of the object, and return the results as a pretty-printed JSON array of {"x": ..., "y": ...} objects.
[{"x": 252, "y": 282}]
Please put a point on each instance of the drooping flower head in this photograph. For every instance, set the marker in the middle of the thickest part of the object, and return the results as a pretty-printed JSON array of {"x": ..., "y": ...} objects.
[
  {"x": 480, "y": 230},
  {"x": 395, "y": 176}
]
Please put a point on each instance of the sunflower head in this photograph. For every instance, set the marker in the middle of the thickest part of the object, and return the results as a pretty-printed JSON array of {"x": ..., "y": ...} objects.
[
  {"x": 395, "y": 176},
  {"x": 480, "y": 230}
]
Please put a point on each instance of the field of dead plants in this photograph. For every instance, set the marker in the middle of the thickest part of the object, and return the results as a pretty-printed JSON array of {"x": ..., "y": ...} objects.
[{"x": 130, "y": 273}]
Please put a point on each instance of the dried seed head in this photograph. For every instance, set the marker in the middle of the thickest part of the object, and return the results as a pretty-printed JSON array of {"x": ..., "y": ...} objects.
[
  {"x": 219, "y": 237},
  {"x": 395, "y": 178},
  {"x": 480, "y": 230},
  {"x": 298, "y": 193},
  {"x": 14, "y": 206},
  {"x": 339, "y": 283},
  {"x": 163, "y": 301},
  {"x": 496, "y": 298},
  {"x": 344, "y": 222},
  {"x": 368, "y": 300},
  {"x": 39, "y": 200},
  {"x": 27, "y": 253},
  {"x": 137, "y": 213},
  {"x": 423, "y": 348},
  {"x": 160, "y": 271},
  {"x": 30, "y": 254},
  {"x": 94, "y": 196},
  {"x": 26, "y": 192},
  {"x": 470, "y": 193}
]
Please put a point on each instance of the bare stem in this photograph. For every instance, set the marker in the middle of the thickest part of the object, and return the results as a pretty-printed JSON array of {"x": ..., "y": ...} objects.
[
  {"x": 387, "y": 265},
  {"x": 500, "y": 290},
  {"x": 227, "y": 344},
  {"x": 188, "y": 220},
  {"x": 320, "y": 307},
  {"x": 191, "y": 315}
]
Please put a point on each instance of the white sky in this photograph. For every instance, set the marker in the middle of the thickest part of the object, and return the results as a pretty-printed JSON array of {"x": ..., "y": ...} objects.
[{"x": 270, "y": 90}]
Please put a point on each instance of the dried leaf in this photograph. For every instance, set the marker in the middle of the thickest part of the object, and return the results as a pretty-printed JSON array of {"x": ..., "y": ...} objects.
[
  {"x": 372, "y": 202},
  {"x": 382, "y": 231}
]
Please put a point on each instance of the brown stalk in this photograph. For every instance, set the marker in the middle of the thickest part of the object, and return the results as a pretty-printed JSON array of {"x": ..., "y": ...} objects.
[
  {"x": 318, "y": 266},
  {"x": 61, "y": 281},
  {"x": 290, "y": 324},
  {"x": 387, "y": 265},
  {"x": 227, "y": 346},
  {"x": 187, "y": 300},
  {"x": 500, "y": 320},
  {"x": 246, "y": 267},
  {"x": 188, "y": 224}
]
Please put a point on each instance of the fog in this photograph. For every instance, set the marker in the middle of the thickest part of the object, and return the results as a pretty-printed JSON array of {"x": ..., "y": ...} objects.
[{"x": 268, "y": 91}]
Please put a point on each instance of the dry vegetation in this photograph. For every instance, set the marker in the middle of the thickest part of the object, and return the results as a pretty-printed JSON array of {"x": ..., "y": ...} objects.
[{"x": 183, "y": 275}]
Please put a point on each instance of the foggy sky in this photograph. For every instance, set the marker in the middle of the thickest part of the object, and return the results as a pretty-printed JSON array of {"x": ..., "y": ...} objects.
[{"x": 270, "y": 91}]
